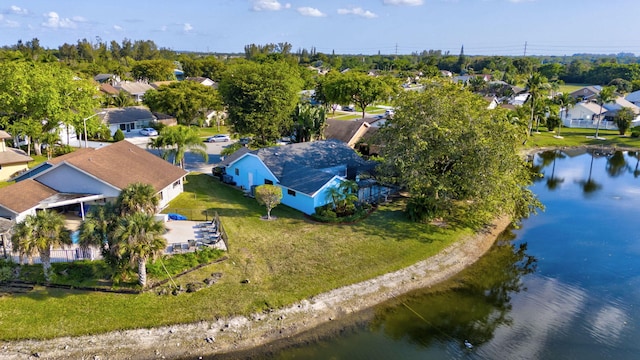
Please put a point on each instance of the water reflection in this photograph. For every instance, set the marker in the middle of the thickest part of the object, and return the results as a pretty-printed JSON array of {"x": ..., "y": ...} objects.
[
  {"x": 470, "y": 307},
  {"x": 564, "y": 286}
]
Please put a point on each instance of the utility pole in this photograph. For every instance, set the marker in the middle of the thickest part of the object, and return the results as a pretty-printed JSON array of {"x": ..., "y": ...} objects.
[{"x": 525, "y": 48}]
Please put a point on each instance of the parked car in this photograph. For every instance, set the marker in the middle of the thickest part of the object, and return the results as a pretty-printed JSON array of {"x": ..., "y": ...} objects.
[
  {"x": 348, "y": 108},
  {"x": 148, "y": 132},
  {"x": 245, "y": 140},
  {"x": 219, "y": 138},
  {"x": 389, "y": 113}
]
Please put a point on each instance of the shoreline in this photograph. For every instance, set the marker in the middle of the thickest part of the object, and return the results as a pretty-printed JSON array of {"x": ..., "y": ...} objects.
[{"x": 241, "y": 334}]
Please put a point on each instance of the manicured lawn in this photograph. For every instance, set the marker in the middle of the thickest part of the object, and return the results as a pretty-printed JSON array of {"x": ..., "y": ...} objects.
[
  {"x": 578, "y": 137},
  {"x": 568, "y": 88},
  {"x": 285, "y": 260}
]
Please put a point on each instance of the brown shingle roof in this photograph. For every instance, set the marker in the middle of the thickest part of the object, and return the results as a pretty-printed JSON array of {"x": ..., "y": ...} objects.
[
  {"x": 31, "y": 193},
  {"x": 345, "y": 131},
  {"x": 13, "y": 156},
  {"x": 124, "y": 163}
]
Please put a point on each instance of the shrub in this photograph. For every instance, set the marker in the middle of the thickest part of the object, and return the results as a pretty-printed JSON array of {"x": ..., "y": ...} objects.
[
  {"x": 118, "y": 135},
  {"x": 62, "y": 149}
]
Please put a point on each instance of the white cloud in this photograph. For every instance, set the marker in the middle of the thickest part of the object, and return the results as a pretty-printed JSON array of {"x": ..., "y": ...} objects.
[
  {"x": 404, "y": 2},
  {"x": 164, "y": 28},
  {"x": 18, "y": 10},
  {"x": 268, "y": 5},
  {"x": 187, "y": 27},
  {"x": 358, "y": 11},
  {"x": 79, "y": 19},
  {"x": 309, "y": 11},
  {"x": 54, "y": 21},
  {"x": 117, "y": 28}
]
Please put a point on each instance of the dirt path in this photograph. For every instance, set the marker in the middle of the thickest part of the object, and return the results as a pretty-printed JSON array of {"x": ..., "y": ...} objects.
[{"x": 240, "y": 333}]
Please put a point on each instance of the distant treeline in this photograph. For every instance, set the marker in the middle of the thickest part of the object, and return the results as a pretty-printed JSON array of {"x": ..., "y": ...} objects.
[{"x": 622, "y": 70}]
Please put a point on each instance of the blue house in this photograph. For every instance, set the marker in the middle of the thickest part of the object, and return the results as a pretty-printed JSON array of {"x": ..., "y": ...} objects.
[{"x": 304, "y": 171}]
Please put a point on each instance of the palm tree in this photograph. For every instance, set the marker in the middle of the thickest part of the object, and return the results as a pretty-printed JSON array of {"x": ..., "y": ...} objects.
[
  {"x": 140, "y": 236},
  {"x": 41, "y": 232},
  {"x": 95, "y": 230},
  {"x": 137, "y": 197},
  {"x": 175, "y": 141},
  {"x": 566, "y": 102},
  {"x": 606, "y": 95},
  {"x": 536, "y": 84}
]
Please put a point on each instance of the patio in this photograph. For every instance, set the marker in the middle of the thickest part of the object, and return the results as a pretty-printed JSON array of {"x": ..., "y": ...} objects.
[{"x": 186, "y": 235}]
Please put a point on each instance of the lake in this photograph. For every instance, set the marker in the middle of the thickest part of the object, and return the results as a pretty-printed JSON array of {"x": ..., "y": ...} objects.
[{"x": 564, "y": 285}]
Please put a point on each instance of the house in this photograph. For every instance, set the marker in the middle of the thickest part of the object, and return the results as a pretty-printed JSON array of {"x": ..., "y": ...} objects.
[
  {"x": 12, "y": 160},
  {"x": 613, "y": 107},
  {"x": 349, "y": 132},
  {"x": 203, "y": 81},
  {"x": 107, "y": 78},
  {"x": 89, "y": 176},
  {"x": 585, "y": 111},
  {"x": 127, "y": 119},
  {"x": 586, "y": 93},
  {"x": 305, "y": 171},
  {"x": 634, "y": 97},
  {"x": 492, "y": 102},
  {"x": 135, "y": 89}
]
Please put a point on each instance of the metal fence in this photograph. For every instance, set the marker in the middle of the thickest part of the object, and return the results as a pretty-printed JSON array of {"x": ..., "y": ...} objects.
[{"x": 62, "y": 255}]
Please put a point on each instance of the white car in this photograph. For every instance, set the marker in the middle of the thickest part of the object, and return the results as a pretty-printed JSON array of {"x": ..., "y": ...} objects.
[
  {"x": 219, "y": 138},
  {"x": 148, "y": 132}
]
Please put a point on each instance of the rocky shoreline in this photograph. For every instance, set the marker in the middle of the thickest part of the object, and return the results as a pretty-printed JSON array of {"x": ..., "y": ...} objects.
[{"x": 226, "y": 337}]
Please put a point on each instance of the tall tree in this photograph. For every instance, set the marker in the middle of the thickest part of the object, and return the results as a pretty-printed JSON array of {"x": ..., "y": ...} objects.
[
  {"x": 137, "y": 197},
  {"x": 175, "y": 141},
  {"x": 536, "y": 86},
  {"x": 308, "y": 122},
  {"x": 41, "y": 232},
  {"x": 458, "y": 160},
  {"x": 188, "y": 101},
  {"x": 153, "y": 70},
  {"x": 140, "y": 236},
  {"x": 606, "y": 95},
  {"x": 357, "y": 87},
  {"x": 260, "y": 97}
]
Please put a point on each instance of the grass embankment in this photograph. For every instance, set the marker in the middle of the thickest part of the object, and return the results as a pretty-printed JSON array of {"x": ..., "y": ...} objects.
[{"x": 285, "y": 260}]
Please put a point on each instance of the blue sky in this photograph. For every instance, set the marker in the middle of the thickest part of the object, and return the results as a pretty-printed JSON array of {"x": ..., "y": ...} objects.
[{"x": 484, "y": 27}]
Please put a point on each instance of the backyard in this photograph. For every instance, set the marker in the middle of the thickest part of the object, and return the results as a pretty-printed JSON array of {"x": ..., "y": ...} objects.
[{"x": 271, "y": 264}]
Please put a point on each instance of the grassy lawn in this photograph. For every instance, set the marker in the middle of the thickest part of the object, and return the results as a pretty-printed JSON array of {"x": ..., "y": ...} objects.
[
  {"x": 568, "y": 88},
  {"x": 285, "y": 260},
  {"x": 578, "y": 137}
]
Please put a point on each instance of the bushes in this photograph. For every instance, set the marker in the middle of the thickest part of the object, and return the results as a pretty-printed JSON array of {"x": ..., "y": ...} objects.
[
  {"x": 327, "y": 214},
  {"x": 178, "y": 263},
  {"x": 118, "y": 135}
]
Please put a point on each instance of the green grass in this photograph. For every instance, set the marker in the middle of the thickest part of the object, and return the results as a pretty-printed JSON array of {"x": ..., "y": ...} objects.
[
  {"x": 578, "y": 137},
  {"x": 286, "y": 260},
  {"x": 568, "y": 88}
]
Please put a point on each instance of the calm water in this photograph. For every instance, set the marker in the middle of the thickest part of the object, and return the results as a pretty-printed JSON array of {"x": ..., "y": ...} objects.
[{"x": 566, "y": 285}]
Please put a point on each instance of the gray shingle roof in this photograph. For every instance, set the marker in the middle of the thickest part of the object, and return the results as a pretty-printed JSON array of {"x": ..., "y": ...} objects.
[
  {"x": 312, "y": 155},
  {"x": 128, "y": 114}
]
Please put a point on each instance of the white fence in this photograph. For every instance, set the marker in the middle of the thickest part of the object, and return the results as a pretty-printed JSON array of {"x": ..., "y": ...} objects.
[
  {"x": 63, "y": 255},
  {"x": 590, "y": 124}
]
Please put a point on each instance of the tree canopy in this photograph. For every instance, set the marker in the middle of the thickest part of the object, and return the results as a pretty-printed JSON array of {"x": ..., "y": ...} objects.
[
  {"x": 188, "y": 101},
  {"x": 356, "y": 87},
  {"x": 457, "y": 159},
  {"x": 260, "y": 97}
]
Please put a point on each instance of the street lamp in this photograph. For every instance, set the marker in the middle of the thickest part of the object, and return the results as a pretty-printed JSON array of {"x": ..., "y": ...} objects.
[{"x": 84, "y": 121}]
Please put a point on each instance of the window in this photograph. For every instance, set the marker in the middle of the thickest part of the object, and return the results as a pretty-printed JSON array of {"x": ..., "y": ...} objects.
[
  {"x": 123, "y": 127},
  {"x": 176, "y": 184},
  {"x": 237, "y": 171},
  {"x": 268, "y": 182},
  {"x": 291, "y": 192}
]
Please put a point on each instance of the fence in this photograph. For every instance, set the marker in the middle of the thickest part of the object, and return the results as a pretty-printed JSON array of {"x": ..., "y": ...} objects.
[
  {"x": 63, "y": 255},
  {"x": 193, "y": 214}
]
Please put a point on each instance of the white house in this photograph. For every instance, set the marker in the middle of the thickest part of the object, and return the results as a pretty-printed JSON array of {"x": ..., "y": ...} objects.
[{"x": 89, "y": 176}]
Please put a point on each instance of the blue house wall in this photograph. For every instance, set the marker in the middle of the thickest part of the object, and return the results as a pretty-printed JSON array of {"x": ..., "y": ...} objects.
[
  {"x": 306, "y": 203},
  {"x": 249, "y": 171}
]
